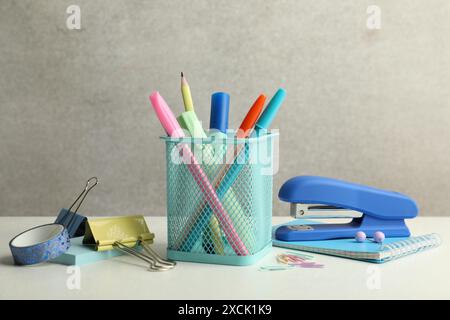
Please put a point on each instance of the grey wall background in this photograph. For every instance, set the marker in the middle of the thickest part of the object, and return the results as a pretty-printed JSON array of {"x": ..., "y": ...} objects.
[{"x": 370, "y": 106}]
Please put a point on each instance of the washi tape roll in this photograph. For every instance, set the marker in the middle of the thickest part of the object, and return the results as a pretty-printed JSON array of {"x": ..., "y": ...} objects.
[{"x": 39, "y": 244}]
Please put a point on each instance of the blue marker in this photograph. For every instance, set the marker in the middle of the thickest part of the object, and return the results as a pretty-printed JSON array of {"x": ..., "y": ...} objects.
[{"x": 220, "y": 106}]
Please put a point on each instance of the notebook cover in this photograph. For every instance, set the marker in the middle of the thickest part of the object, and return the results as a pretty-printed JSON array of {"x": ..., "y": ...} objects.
[
  {"x": 79, "y": 254},
  {"x": 347, "y": 248}
]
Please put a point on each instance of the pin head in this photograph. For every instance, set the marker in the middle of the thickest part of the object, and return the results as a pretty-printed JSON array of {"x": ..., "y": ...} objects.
[
  {"x": 360, "y": 236},
  {"x": 378, "y": 237}
]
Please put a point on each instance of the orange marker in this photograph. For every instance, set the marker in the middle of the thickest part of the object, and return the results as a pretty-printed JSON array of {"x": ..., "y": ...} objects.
[{"x": 252, "y": 116}]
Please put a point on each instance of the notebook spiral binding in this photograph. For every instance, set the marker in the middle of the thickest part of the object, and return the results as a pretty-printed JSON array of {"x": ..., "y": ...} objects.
[{"x": 402, "y": 248}]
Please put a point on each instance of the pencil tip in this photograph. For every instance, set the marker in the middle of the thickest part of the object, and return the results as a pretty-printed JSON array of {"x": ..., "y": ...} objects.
[{"x": 182, "y": 75}]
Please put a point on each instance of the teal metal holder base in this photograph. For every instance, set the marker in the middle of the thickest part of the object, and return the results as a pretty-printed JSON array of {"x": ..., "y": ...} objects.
[{"x": 217, "y": 259}]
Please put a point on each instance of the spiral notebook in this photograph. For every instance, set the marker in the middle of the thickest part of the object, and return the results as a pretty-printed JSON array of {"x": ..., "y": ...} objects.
[{"x": 391, "y": 249}]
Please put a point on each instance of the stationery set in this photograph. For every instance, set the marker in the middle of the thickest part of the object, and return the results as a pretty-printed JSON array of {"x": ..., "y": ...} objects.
[{"x": 219, "y": 203}]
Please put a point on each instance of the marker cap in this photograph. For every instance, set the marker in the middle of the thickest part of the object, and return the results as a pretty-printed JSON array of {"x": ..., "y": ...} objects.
[
  {"x": 250, "y": 119},
  {"x": 220, "y": 106},
  {"x": 271, "y": 110},
  {"x": 188, "y": 120},
  {"x": 166, "y": 116}
]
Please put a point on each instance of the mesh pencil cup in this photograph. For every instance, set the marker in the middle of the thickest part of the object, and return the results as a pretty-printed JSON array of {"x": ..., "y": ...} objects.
[{"x": 219, "y": 198}]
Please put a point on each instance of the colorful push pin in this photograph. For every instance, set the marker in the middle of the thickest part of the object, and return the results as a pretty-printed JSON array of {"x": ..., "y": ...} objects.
[
  {"x": 360, "y": 236},
  {"x": 378, "y": 237}
]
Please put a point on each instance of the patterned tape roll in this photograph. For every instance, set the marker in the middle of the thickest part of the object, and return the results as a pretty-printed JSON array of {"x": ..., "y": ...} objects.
[{"x": 39, "y": 244}]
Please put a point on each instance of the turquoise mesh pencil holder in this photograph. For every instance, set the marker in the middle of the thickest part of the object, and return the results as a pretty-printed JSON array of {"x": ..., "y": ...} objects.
[{"x": 240, "y": 172}]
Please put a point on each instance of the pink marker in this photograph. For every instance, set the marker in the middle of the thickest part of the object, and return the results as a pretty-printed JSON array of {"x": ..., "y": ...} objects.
[{"x": 173, "y": 129}]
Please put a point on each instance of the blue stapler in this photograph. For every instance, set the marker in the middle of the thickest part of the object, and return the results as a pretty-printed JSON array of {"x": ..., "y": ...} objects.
[{"x": 371, "y": 209}]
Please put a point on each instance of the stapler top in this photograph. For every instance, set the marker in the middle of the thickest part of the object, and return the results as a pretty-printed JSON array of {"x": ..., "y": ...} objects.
[
  {"x": 378, "y": 210},
  {"x": 383, "y": 204}
]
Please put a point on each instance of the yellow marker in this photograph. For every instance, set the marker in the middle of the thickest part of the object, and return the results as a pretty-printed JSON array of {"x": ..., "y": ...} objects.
[{"x": 186, "y": 93}]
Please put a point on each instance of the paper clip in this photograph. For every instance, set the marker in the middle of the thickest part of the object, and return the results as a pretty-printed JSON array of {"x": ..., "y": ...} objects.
[
  {"x": 156, "y": 263},
  {"x": 276, "y": 268},
  {"x": 72, "y": 221}
]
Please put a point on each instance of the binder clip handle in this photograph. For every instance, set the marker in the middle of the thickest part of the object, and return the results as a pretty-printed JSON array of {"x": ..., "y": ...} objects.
[
  {"x": 156, "y": 263},
  {"x": 90, "y": 184},
  {"x": 70, "y": 219}
]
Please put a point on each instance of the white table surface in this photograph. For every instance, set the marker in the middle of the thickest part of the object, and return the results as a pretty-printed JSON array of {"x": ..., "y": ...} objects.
[{"x": 422, "y": 276}]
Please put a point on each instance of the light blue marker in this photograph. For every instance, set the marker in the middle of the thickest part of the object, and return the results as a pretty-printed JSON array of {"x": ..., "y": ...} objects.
[{"x": 269, "y": 113}]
